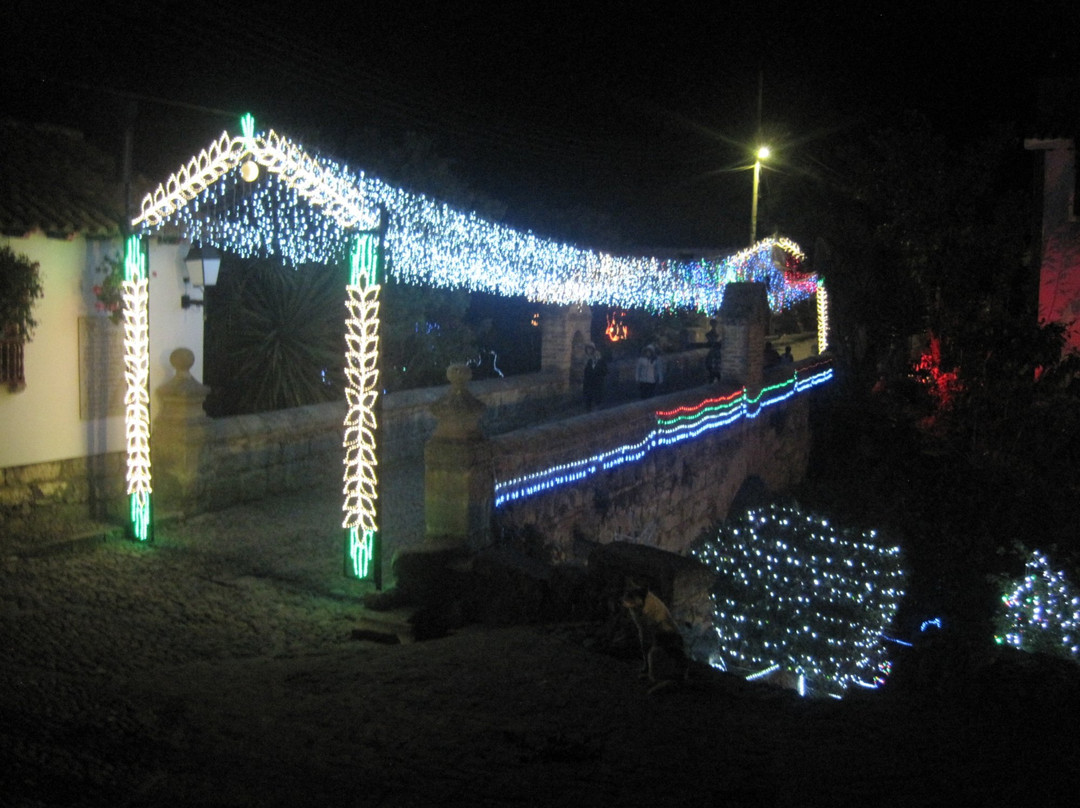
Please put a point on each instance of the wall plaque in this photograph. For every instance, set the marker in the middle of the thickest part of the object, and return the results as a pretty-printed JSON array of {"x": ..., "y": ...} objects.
[{"x": 101, "y": 368}]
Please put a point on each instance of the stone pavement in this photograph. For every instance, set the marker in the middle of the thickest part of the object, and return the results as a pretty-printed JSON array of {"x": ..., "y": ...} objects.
[{"x": 218, "y": 667}]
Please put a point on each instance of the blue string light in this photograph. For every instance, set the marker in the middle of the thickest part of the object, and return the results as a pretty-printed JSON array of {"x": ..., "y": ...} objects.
[{"x": 672, "y": 427}]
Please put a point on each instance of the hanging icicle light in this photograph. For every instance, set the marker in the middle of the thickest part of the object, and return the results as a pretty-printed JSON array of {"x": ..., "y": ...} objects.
[{"x": 305, "y": 209}]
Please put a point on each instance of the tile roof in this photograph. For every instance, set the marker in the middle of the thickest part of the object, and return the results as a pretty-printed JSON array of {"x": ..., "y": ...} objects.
[{"x": 53, "y": 181}]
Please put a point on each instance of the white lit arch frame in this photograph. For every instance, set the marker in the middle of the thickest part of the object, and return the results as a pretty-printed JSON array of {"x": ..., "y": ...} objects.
[{"x": 261, "y": 194}]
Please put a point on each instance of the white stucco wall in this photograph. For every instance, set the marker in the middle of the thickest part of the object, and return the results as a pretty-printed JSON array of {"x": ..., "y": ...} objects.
[{"x": 42, "y": 423}]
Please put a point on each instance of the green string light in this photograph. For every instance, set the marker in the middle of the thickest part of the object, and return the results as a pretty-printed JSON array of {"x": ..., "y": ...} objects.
[{"x": 137, "y": 380}]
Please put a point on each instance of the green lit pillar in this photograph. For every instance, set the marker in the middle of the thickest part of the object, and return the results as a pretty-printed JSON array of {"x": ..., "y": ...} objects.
[
  {"x": 361, "y": 507},
  {"x": 136, "y": 313}
]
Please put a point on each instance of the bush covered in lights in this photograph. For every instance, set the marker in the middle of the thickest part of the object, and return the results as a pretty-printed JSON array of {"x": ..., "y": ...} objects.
[
  {"x": 1040, "y": 611},
  {"x": 795, "y": 593}
]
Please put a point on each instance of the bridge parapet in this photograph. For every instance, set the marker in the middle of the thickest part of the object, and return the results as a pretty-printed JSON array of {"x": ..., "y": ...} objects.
[{"x": 658, "y": 471}]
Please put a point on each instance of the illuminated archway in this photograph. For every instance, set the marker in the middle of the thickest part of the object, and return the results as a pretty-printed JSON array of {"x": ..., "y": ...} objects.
[{"x": 261, "y": 194}]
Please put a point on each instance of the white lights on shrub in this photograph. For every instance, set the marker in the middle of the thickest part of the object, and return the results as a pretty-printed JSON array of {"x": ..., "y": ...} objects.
[
  {"x": 137, "y": 386},
  {"x": 361, "y": 395},
  {"x": 793, "y": 592},
  {"x": 1041, "y": 611}
]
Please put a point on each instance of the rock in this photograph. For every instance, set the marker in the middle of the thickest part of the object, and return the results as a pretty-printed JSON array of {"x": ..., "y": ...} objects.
[{"x": 683, "y": 583}]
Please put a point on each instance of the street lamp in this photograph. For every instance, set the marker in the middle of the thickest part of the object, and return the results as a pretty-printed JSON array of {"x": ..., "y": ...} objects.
[{"x": 762, "y": 154}]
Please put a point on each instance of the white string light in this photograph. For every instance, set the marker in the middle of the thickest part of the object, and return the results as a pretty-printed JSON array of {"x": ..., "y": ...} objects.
[
  {"x": 305, "y": 209},
  {"x": 822, "y": 317},
  {"x": 136, "y": 307},
  {"x": 794, "y": 593},
  {"x": 361, "y": 395}
]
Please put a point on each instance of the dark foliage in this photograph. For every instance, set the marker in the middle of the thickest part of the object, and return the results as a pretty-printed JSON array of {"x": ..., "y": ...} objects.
[
  {"x": 424, "y": 331},
  {"x": 20, "y": 286},
  {"x": 913, "y": 234},
  {"x": 919, "y": 238},
  {"x": 274, "y": 337}
]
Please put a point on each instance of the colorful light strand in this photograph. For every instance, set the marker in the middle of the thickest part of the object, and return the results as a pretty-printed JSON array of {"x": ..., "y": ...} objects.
[
  {"x": 262, "y": 195},
  {"x": 672, "y": 426},
  {"x": 136, "y": 309},
  {"x": 794, "y": 592}
]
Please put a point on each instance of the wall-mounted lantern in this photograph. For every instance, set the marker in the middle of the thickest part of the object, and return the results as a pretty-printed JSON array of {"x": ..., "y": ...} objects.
[{"x": 200, "y": 270}]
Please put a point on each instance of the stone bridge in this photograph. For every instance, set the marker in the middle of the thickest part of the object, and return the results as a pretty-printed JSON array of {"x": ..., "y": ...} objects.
[
  {"x": 657, "y": 471},
  {"x": 501, "y": 457}
]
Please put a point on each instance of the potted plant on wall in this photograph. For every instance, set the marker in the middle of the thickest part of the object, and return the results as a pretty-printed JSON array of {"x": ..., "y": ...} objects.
[
  {"x": 20, "y": 286},
  {"x": 110, "y": 291}
]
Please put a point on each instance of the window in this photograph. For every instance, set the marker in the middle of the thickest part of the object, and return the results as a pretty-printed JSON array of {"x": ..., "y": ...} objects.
[{"x": 12, "y": 371}]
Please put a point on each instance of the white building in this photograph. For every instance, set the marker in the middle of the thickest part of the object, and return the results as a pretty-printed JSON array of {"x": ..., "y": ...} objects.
[{"x": 63, "y": 431}]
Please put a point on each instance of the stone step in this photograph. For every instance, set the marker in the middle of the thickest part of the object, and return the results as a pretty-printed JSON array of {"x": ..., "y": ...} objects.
[{"x": 389, "y": 627}]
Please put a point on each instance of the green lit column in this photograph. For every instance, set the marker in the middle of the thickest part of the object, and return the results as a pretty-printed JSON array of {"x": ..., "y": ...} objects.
[
  {"x": 822, "y": 317},
  {"x": 361, "y": 481},
  {"x": 137, "y": 387}
]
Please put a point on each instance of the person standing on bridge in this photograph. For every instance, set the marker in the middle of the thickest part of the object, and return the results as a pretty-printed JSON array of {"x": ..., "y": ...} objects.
[
  {"x": 714, "y": 359},
  {"x": 592, "y": 382},
  {"x": 649, "y": 372}
]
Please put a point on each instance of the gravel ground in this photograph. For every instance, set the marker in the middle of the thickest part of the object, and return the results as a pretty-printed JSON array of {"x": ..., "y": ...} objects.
[{"x": 217, "y": 667}]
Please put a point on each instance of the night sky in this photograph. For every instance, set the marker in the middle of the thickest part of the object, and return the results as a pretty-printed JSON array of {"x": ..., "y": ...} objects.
[{"x": 626, "y": 117}]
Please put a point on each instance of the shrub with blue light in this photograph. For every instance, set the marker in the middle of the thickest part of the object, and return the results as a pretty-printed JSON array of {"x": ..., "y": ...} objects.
[
  {"x": 795, "y": 593},
  {"x": 1041, "y": 611}
]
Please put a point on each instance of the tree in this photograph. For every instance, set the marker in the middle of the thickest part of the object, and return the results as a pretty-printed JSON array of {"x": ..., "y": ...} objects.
[
  {"x": 914, "y": 234},
  {"x": 275, "y": 336},
  {"x": 424, "y": 331}
]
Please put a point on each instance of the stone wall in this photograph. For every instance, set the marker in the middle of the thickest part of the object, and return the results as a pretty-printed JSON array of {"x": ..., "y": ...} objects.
[
  {"x": 667, "y": 498},
  {"x": 510, "y": 403},
  {"x": 226, "y": 460},
  {"x": 81, "y": 485},
  {"x": 201, "y": 464},
  {"x": 204, "y": 464}
]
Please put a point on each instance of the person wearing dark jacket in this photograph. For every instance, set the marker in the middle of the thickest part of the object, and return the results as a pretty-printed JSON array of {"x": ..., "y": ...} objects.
[{"x": 593, "y": 379}]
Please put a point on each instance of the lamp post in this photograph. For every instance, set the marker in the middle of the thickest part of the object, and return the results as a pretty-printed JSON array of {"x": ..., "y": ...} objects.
[{"x": 762, "y": 154}]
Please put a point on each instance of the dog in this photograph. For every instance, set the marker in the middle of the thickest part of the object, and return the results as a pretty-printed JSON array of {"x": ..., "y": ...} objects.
[{"x": 662, "y": 650}]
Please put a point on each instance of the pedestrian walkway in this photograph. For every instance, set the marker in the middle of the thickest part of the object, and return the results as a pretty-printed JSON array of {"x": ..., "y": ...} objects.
[{"x": 298, "y": 533}]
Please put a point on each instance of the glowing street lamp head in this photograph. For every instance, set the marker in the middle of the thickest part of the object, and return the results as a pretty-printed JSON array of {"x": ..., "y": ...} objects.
[{"x": 763, "y": 153}]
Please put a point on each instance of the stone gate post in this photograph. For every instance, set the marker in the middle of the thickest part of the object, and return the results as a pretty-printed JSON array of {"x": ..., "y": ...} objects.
[
  {"x": 458, "y": 484},
  {"x": 744, "y": 317},
  {"x": 180, "y": 431},
  {"x": 560, "y": 325}
]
